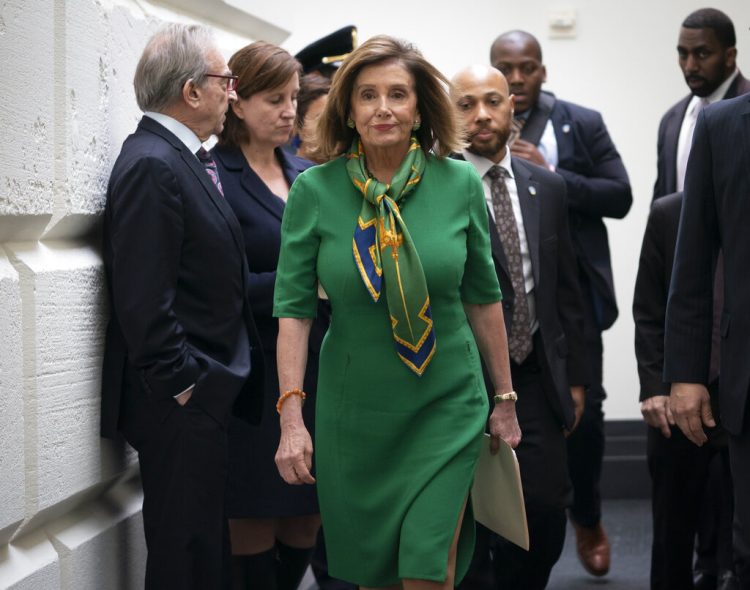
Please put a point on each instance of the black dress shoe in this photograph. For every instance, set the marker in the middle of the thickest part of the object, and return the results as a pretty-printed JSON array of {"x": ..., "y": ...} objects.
[
  {"x": 704, "y": 581},
  {"x": 728, "y": 581}
]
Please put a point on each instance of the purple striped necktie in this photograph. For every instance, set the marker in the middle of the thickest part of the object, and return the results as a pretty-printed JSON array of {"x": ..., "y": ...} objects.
[{"x": 210, "y": 166}]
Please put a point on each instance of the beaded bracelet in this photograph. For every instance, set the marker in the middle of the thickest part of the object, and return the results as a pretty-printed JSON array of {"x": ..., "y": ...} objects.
[{"x": 283, "y": 397}]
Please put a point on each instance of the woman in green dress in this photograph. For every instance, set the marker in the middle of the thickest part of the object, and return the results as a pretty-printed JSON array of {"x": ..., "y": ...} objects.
[{"x": 396, "y": 235}]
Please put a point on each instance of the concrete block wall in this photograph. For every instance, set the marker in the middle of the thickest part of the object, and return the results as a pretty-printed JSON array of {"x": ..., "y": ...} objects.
[{"x": 69, "y": 500}]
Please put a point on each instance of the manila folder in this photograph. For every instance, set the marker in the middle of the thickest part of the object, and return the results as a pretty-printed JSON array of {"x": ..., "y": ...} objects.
[{"x": 497, "y": 496}]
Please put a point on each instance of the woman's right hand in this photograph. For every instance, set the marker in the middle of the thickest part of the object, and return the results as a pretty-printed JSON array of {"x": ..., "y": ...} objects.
[
  {"x": 504, "y": 425},
  {"x": 294, "y": 455}
]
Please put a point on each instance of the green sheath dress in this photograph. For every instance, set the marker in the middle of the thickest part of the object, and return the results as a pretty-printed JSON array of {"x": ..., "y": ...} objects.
[{"x": 395, "y": 453}]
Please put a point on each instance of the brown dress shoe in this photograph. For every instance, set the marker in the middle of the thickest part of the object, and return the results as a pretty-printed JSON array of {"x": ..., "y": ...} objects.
[{"x": 593, "y": 548}]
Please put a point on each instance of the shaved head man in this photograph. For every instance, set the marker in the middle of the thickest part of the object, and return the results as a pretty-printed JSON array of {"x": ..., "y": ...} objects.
[
  {"x": 482, "y": 97},
  {"x": 531, "y": 245}
]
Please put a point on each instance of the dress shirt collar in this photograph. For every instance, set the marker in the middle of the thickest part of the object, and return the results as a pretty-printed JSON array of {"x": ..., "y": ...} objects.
[
  {"x": 482, "y": 164},
  {"x": 181, "y": 131}
]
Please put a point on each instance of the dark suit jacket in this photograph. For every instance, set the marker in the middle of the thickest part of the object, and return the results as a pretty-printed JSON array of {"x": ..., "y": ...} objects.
[
  {"x": 556, "y": 289},
  {"x": 669, "y": 135},
  {"x": 178, "y": 281},
  {"x": 597, "y": 186},
  {"x": 259, "y": 212},
  {"x": 715, "y": 215},
  {"x": 651, "y": 290}
]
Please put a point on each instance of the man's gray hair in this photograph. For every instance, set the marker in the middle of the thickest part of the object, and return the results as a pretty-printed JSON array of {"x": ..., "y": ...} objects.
[{"x": 172, "y": 56}]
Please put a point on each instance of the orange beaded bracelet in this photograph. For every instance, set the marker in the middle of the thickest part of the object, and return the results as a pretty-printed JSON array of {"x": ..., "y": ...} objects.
[{"x": 283, "y": 397}]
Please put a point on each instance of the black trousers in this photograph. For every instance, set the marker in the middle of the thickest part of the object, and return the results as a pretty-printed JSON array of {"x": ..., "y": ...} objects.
[
  {"x": 586, "y": 444},
  {"x": 680, "y": 472},
  {"x": 542, "y": 460},
  {"x": 183, "y": 463},
  {"x": 739, "y": 457}
]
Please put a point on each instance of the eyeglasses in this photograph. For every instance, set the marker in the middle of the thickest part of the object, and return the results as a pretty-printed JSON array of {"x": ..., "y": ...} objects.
[{"x": 231, "y": 80}]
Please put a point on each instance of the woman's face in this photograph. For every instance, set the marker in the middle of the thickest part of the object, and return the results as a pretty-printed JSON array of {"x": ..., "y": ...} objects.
[
  {"x": 269, "y": 115},
  {"x": 384, "y": 105}
]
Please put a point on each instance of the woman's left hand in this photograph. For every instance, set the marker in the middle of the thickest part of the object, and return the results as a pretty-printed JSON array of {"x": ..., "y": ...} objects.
[
  {"x": 504, "y": 425},
  {"x": 294, "y": 456}
]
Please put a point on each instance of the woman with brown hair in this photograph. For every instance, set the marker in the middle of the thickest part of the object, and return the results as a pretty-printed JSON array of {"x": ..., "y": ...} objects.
[
  {"x": 397, "y": 236},
  {"x": 312, "y": 98},
  {"x": 272, "y": 525}
]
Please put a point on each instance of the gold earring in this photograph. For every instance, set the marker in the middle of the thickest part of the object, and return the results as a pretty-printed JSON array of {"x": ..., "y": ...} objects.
[
  {"x": 350, "y": 123},
  {"x": 417, "y": 124}
]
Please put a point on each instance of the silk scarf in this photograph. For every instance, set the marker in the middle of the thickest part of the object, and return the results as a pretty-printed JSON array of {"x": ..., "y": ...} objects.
[{"x": 384, "y": 253}]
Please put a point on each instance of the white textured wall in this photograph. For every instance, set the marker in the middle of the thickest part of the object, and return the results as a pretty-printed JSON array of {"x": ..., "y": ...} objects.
[{"x": 69, "y": 501}]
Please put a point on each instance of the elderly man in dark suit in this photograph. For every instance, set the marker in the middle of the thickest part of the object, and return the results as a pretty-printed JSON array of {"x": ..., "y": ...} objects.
[
  {"x": 178, "y": 348},
  {"x": 707, "y": 58},
  {"x": 715, "y": 216},
  {"x": 536, "y": 267},
  {"x": 573, "y": 141}
]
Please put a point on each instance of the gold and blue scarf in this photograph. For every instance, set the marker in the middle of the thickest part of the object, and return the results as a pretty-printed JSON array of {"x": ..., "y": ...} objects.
[{"x": 380, "y": 228}]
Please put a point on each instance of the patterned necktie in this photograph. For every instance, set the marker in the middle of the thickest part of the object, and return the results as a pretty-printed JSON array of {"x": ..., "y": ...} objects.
[
  {"x": 519, "y": 339},
  {"x": 210, "y": 166}
]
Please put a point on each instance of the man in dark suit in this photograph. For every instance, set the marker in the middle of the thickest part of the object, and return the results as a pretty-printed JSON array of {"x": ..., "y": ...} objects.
[
  {"x": 573, "y": 141},
  {"x": 707, "y": 54},
  {"x": 679, "y": 470},
  {"x": 715, "y": 216},
  {"x": 178, "y": 349},
  {"x": 536, "y": 267}
]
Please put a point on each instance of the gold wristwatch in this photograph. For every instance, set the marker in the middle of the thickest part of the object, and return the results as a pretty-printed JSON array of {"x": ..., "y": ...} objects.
[{"x": 504, "y": 397}]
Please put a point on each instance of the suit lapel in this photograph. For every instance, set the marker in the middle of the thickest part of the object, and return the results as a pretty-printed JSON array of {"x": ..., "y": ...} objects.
[
  {"x": 213, "y": 193},
  {"x": 260, "y": 193},
  {"x": 195, "y": 166},
  {"x": 528, "y": 197},
  {"x": 258, "y": 189}
]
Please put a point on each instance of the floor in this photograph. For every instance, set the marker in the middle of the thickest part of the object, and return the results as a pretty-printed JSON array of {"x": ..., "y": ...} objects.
[{"x": 628, "y": 524}]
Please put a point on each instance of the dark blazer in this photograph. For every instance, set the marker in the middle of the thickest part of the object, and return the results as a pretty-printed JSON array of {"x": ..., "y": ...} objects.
[
  {"x": 178, "y": 281},
  {"x": 651, "y": 290},
  {"x": 597, "y": 186},
  {"x": 556, "y": 289},
  {"x": 259, "y": 212},
  {"x": 669, "y": 135},
  {"x": 715, "y": 215}
]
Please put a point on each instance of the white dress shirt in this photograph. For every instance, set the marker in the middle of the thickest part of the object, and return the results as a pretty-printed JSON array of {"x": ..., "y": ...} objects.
[
  {"x": 548, "y": 145},
  {"x": 181, "y": 131}
]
